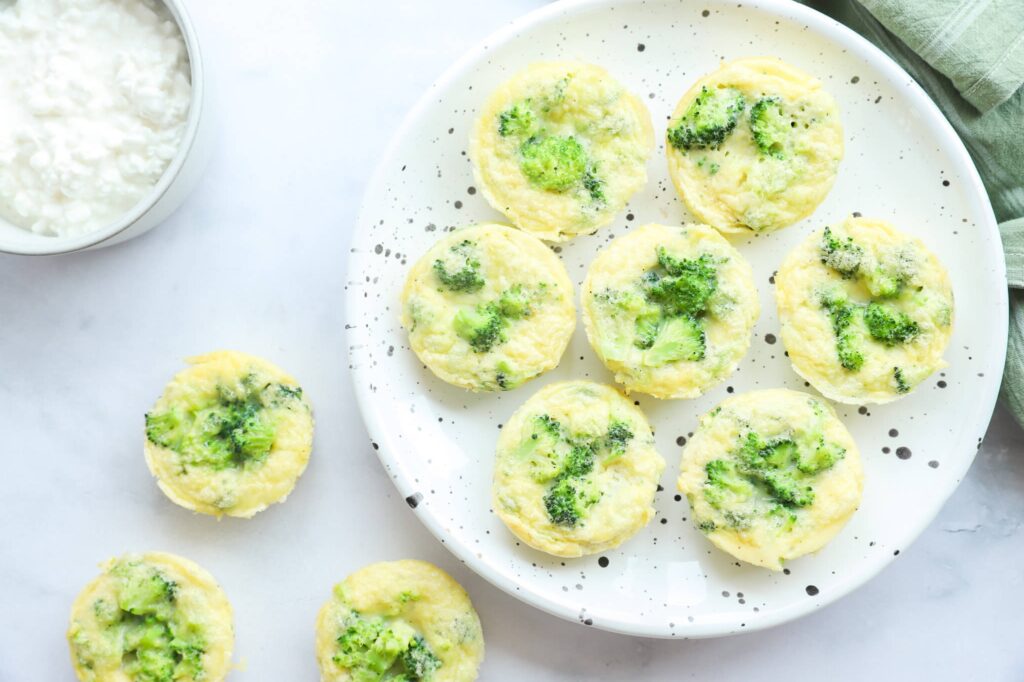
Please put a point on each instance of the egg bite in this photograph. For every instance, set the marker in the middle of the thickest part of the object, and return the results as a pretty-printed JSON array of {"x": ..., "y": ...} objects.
[
  {"x": 770, "y": 476},
  {"x": 399, "y": 620},
  {"x": 560, "y": 148},
  {"x": 231, "y": 434},
  {"x": 576, "y": 470},
  {"x": 866, "y": 311},
  {"x": 152, "y": 616},
  {"x": 754, "y": 146},
  {"x": 488, "y": 307},
  {"x": 670, "y": 310}
]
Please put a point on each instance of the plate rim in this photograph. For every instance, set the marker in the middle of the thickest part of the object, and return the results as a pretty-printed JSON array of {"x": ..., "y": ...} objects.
[{"x": 381, "y": 439}]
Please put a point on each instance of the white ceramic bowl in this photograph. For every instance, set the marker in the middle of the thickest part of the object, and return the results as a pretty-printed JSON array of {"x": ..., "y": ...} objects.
[{"x": 177, "y": 181}]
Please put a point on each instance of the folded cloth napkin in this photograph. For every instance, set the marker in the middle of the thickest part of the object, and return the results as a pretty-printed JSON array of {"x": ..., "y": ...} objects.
[{"x": 969, "y": 56}]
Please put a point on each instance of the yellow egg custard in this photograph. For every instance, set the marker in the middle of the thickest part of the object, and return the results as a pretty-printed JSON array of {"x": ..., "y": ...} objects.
[
  {"x": 670, "y": 309},
  {"x": 560, "y": 148},
  {"x": 576, "y": 470},
  {"x": 771, "y": 476},
  {"x": 400, "y": 620},
  {"x": 149, "y": 617},
  {"x": 866, "y": 311},
  {"x": 488, "y": 307},
  {"x": 754, "y": 146},
  {"x": 231, "y": 434}
]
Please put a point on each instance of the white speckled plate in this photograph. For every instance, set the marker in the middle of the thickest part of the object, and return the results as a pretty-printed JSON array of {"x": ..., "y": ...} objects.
[{"x": 903, "y": 163}]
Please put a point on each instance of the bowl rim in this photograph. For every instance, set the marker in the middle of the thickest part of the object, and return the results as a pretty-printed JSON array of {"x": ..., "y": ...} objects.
[
  {"x": 385, "y": 445},
  {"x": 53, "y": 246}
]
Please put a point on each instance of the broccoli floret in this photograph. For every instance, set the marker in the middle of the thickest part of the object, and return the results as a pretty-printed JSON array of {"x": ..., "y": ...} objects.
[
  {"x": 784, "y": 517},
  {"x": 843, "y": 256},
  {"x": 647, "y": 328},
  {"x": 901, "y": 381},
  {"x": 725, "y": 485},
  {"x": 550, "y": 425},
  {"x": 368, "y": 648},
  {"x": 619, "y": 434},
  {"x": 514, "y": 303},
  {"x": 770, "y": 127},
  {"x": 144, "y": 591},
  {"x": 562, "y": 503},
  {"x": 165, "y": 428},
  {"x": 593, "y": 184},
  {"x": 553, "y": 163},
  {"x": 419, "y": 661},
  {"x": 787, "y": 489},
  {"x": 460, "y": 269},
  {"x": 841, "y": 312},
  {"x": 517, "y": 121},
  {"x": 541, "y": 447},
  {"x": 888, "y": 325},
  {"x": 709, "y": 119},
  {"x": 680, "y": 338},
  {"x": 688, "y": 286},
  {"x": 888, "y": 278},
  {"x": 482, "y": 327},
  {"x": 250, "y": 434},
  {"x": 706, "y": 526},
  {"x": 822, "y": 457}
]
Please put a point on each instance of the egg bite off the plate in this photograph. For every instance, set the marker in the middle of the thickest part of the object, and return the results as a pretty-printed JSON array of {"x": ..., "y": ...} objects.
[
  {"x": 754, "y": 146},
  {"x": 560, "y": 148},
  {"x": 399, "y": 620},
  {"x": 866, "y": 311},
  {"x": 771, "y": 475},
  {"x": 231, "y": 434},
  {"x": 488, "y": 307},
  {"x": 670, "y": 309},
  {"x": 152, "y": 616},
  {"x": 576, "y": 470}
]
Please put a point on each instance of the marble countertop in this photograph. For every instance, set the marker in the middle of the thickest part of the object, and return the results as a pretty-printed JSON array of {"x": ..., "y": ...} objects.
[{"x": 308, "y": 98}]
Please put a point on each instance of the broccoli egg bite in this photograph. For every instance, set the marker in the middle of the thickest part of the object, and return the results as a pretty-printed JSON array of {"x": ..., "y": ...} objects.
[
  {"x": 754, "y": 146},
  {"x": 866, "y": 311},
  {"x": 771, "y": 476},
  {"x": 488, "y": 307},
  {"x": 231, "y": 434},
  {"x": 152, "y": 616},
  {"x": 670, "y": 309},
  {"x": 560, "y": 148},
  {"x": 576, "y": 470},
  {"x": 400, "y": 620}
]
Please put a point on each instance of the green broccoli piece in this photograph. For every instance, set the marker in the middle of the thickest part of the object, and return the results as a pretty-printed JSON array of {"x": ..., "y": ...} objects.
[
  {"x": 770, "y": 127},
  {"x": 688, "y": 286},
  {"x": 726, "y": 486},
  {"x": 841, "y": 312},
  {"x": 144, "y": 591},
  {"x": 901, "y": 381},
  {"x": 554, "y": 163},
  {"x": 648, "y": 327},
  {"x": 517, "y": 121},
  {"x": 460, "y": 269},
  {"x": 567, "y": 501},
  {"x": 165, "y": 429},
  {"x": 419, "y": 661},
  {"x": 680, "y": 338},
  {"x": 251, "y": 436},
  {"x": 784, "y": 517},
  {"x": 618, "y": 436},
  {"x": 482, "y": 327},
  {"x": 843, "y": 256},
  {"x": 709, "y": 119},
  {"x": 368, "y": 648},
  {"x": 514, "y": 303},
  {"x": 787, "y": 489},
  {"x": 541, "y": 446},
  {"x": 888, "y": 325},
  {"x": 593, "y": 184},
  {"x": 888, "y": 278},
  {"x": 580, "y": 460},
  {"x": 822, "y": 457}
]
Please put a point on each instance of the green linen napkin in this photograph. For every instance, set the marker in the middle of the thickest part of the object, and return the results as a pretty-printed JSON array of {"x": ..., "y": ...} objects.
[{"x": 968, "y": 55}]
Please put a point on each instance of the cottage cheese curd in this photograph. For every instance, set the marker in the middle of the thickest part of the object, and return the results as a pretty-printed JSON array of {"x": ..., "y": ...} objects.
[{"x": 94, "y": 97}]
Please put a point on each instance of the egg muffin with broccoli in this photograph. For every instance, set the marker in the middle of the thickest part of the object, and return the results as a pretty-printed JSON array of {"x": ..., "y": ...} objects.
[
  {"x": 754, "y": 146},
  {"x": 231, "y": 434},
  {"x": 670, "y": 309},
  {"x": 488, "y": 307},
  {"x": 152, "y": 616},
  {"x": 866, "y": 311},
  {"x": 576, "y": 470},
  {"x": 560, "y": 148},
  {"x": 771, "y": 476},
  {"x": 400, "y": 620}
]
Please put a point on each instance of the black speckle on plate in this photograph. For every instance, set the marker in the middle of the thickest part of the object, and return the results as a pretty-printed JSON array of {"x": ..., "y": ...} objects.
[{"x": 414, "y": 500}]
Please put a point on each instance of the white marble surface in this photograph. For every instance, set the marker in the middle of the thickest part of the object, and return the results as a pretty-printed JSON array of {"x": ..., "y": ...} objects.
[{"x": 308, "y": 97}]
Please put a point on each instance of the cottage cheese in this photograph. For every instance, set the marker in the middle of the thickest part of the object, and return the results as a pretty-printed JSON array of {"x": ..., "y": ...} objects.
[{"x": 94, "y": 97}]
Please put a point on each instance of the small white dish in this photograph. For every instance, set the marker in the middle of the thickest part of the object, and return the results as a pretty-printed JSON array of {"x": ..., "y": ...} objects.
[
  {"x": 178, "y": 180},
  {"x": 903, "y": 163}
]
